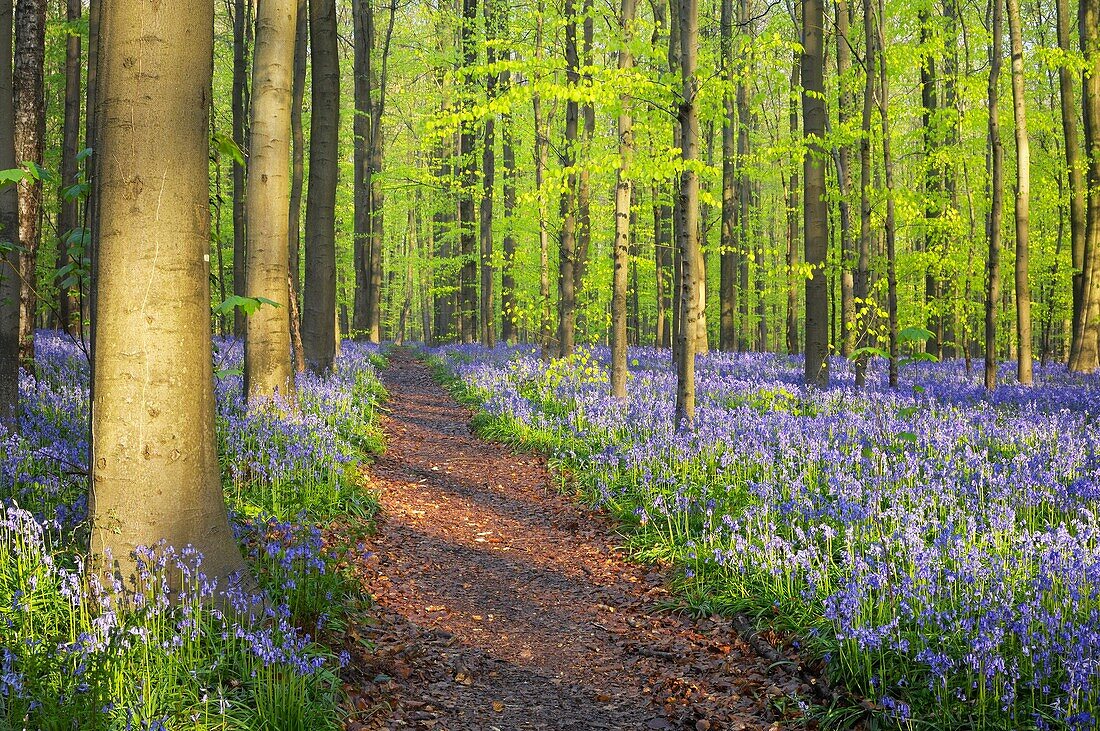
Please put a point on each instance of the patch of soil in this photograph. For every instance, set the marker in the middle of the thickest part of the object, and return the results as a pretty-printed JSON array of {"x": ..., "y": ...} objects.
[{"x": 500, "y": 604}]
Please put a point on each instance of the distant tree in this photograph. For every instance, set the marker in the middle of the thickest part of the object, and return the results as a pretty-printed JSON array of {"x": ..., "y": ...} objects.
[
  {"x": 1089, "y": 323},
  {"x": 68, "y": 221}
]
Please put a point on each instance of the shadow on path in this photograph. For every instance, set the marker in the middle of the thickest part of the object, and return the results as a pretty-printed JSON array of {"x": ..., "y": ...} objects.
[{"x": 503, "y": 605}]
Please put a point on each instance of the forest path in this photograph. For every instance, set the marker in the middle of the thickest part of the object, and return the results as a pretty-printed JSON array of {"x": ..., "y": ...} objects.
[{"x": 501, "y": 604}]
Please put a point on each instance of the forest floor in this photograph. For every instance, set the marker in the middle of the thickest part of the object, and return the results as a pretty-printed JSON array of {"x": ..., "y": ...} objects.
[{"x": 499, "y": 603}]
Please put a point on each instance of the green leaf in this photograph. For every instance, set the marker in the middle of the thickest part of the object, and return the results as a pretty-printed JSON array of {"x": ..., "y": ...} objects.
[
  {"x": 915, "y": 335},
  {"x": 247, "y": 305},
  {"x": 225, "y": 146},
  {"x": 907, "y": 436}
]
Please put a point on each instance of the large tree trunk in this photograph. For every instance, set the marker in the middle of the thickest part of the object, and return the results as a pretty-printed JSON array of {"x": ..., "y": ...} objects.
[
  {"x": 1088, "y": 328},
  {"x": 267, "y": 368},
  {"x": 9, "y": 236},
  {"x": 727, "y": 242},
  {"x": 242, "y": 10},
  {"x": 319, "y": 316},
  {"x": 1023, "y": 199},
  {"x": 815, "y": 207},
  {"x": 1076, "y": 170},
  {"x": 688, "y": 234},
  {"x": 567, "y": 304},
  {"x": 623, "y": 189},
  {"x": 467, "y": 319},
  {"x": 996, "y": 205},
  {"x": 68, "y": 215},
  {"x": 155, "y": 474},
  {"x": 30, "y": 132}
]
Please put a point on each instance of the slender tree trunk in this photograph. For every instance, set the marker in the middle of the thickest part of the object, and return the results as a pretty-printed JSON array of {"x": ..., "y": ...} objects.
[
  {"x": 623, "y": 190},
  {"x": 792, "y": 202},
  {"x": 406, "y": 302},
  {"x": 932, "y": 179},
  {"x": 297, "y": 173},
  {"x": 508, "y": 303},
  {"x": 993, "y": 223},
  {"x": 241, "y": 12},
  {"x": 1023, "y": 199},
  {"x": 91, "y": 225},
  {"x": 1076, "y": 172},
  {"x": 153, "y": 407},
  {"x": 955, "y": 325},
  {"x": 1088, "y": 328},
  {"x": 541, "y": 154},
  {"x": 267, "y": 369},
  {"x": 363, "y": 29},
  {"x": 468, "y": 295},
  {"x": 567, "y": 315},
  {"x": 318, "y": 321},
  {"x": 488, "y": 180},
  {"x": 727, "y": 244},
  {"x": 891, "y": 226},
  {"x": 9, "y": 235},
  {"x": 688, "y": 234},
  {"x": 30, "y": 133},
  {"x": 861, "y": 283},
  {"x": 377, "y": 77},
  {"x": 584, "y": 188},
  {"x": 815, "y": 207},
  {"x": 743, "y": 239},
  {"x": 844, "y": 178},
  {"x": 68, "y": 220}
]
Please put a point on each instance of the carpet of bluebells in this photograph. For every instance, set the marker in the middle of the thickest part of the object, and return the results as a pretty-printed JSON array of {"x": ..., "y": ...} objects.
[
  {"x": 74, "y": 655},
  {"x": 935, "y": 546}
]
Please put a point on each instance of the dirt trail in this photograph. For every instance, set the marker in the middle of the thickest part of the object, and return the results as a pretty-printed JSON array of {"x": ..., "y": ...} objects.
[{"x": 503, "y": 605}]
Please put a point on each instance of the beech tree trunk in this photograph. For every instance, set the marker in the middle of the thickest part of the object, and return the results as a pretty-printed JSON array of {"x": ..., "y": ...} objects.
[
  {"x": 155, "y": 473},
  {"x": 508, "y": 302},
  {"x": 584, "y": 189},
  {"x": 844, "y": 176},
  {"x": 567, "y": 314},
  {"x": 1076, "y": 173},
  {"x": 891, "y": 226},
  {"x": 30, "y": 133},
  {"x": 623, "y": 189},
  {"x": 1088, "y": 329},
  {"x": 488, "y": 180},
  {"x": 267, "y": 368},
  {"x": 996, "y": 201},
  {"x": 815, "y": 207},
  {"x": 68, "y": 219},
  {"x": 241, "y": 22},
  {"x": 467, "y": 321},
  {"x": 319, "y": 316},
  {"x": 1023, "y": 199},
  {"x": 9, "y": 235},
  {"x": 792, "y": 200},
  {"x": 727, "y": 243},
  {"x": 688, "y": 233},
  {"x": 932, "y": 180},
  {"x": 297, "y": 177}
]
